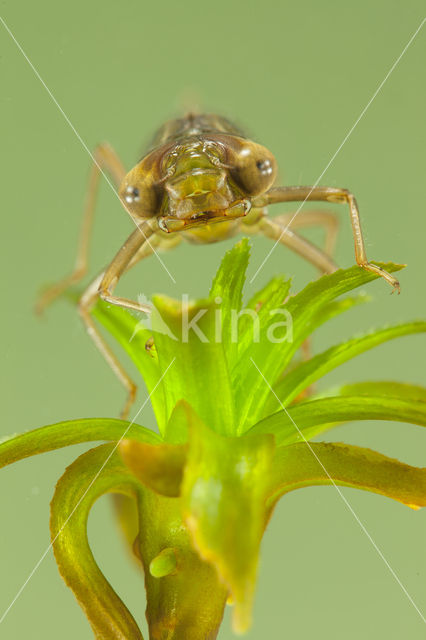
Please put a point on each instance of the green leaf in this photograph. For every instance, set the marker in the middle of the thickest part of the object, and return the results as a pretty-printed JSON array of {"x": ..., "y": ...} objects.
[
  {"x": 224, "y": 495},
  {"x": 199, "y": 373},
  {"x": 188, "y": 603},
  {"x": 315, "y": 416},
  {"x": 325, "y": 313},
  {"x": 177, "y": 608},
  {"x": 177, "y": 427},
  {"x": 132, "y": 335},
  {"x": 392, "y": 389},
  {"x": 300, "y": 465},
  {"x": 267, "y": 300},
  {"x": 333, "y": 309},
  {"x": 251, "y": 390},
  {"x": 312, "y": 370},
  {"x": 227, "y": 287},
  {"x": 77, "y": 490},
  {"x": 64, "y": 434},
  {"x": 159, "y": 467}
]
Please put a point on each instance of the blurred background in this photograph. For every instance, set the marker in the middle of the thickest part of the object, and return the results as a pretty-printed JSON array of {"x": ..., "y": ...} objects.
[{"x": 296, "y": 76}]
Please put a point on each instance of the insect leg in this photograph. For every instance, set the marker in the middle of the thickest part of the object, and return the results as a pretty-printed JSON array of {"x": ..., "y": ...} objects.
[
  {"x": 276, "y": 230},
  {"x": 134, "y": 249},
  {"x": 124, "y": 257},
  {"x": 87, "y": 300},
  {"x": 326, "y": 219},
  {"x": 105, "y": 158},
  {"x": 329, "y": 194}
]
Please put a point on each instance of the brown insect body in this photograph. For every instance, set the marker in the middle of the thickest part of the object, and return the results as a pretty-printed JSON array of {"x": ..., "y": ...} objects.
[
  {"x": 202, "y": 181},
  {"x": 201, "y": 171}
]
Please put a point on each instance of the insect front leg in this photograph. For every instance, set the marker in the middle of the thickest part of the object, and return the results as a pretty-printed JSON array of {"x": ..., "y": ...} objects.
[
  {"x": 330, "y": 194},
  {"x": 86, "y": 302},
  {"x": 134, "y": 249},
  {"x": 105, "y": 158},
  {"x": 126, "y": 256}
]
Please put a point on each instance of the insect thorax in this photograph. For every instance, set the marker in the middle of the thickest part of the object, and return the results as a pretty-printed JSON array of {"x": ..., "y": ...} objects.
[{"x": 194, "y": 125}]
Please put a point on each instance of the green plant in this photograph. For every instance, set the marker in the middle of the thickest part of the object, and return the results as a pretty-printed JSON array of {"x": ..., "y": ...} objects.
[{"x": 235, "y": 420}]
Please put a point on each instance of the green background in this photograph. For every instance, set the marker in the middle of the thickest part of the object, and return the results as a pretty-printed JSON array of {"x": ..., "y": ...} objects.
[{"x": 297, "y": 76}]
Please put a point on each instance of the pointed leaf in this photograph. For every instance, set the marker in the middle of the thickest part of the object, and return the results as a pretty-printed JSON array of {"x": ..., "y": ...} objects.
[
  {"x": 258, "y": 310},
  {"x": 77, "y": 490},
  {"x": 177, "y": 427},
  {"x": 199, "y": 373},
  {"x": 64, "y": 434},
  {"x": 227, "y": 290},
  {"x": 389, "y": 389},
  {"x": 312, "y": 370},
  {"x": 131, "y": 333},
  {"x": 298, "y": 466},
  {"x": 315, "y": 416},
  {"x": 333, "y": 309},
  {"x": 223, "y": 495},
  {"x": 273, "y": 358},
  {"x": 325, "y": 313}
]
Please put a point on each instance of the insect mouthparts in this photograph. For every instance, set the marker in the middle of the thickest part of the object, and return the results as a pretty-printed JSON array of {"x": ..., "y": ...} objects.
[{"x": 200, "y": 214}]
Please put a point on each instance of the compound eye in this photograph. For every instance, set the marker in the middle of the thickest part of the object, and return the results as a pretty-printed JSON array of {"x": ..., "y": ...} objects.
[
  {"x": 132, "y": 195},
  {"x": 138, "y": 195},
  {"x": 265, "y": 167},
  {"x": 254, "y": 169}
]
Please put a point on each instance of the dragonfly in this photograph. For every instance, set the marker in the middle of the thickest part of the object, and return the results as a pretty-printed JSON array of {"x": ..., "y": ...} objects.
[{"x": 202, "y": 181}]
